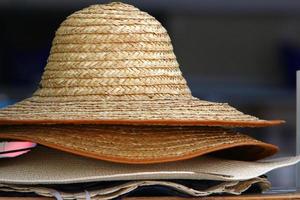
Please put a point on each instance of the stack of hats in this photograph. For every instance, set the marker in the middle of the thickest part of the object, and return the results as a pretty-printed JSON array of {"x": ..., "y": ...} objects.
[{"x": 113, "y": 105}]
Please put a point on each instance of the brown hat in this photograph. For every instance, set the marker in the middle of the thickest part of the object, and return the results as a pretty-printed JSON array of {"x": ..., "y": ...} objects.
[
  {"x": 142, "y": 144},
  {"x": 114, "y": 64}
]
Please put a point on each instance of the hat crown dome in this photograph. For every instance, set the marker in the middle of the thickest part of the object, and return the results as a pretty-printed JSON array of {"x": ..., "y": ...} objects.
[{"x": 112, "y": 51}]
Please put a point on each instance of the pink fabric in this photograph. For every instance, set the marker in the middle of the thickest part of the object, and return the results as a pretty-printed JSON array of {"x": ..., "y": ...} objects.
[
  {"x": 13, "y": 146},
  {"x": 14, "y": 154},
  {"x": 18, "y": 148}
]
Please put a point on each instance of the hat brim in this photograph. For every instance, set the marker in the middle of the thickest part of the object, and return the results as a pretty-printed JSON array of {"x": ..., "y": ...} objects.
[
  {"x": 142, "y": 144},
  {"x": 49, "y": 166},
  {"x": 178, "y": 112}
]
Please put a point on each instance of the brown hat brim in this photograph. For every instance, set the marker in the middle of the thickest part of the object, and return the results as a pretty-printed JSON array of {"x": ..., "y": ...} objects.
[{"x": 142, "y": 144}]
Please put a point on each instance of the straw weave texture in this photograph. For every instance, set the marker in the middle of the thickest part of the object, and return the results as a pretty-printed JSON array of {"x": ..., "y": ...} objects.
[
  {"x": 112, "y": 56},
  {"x": 115, "y": 62},
  {"x": 49, "y": 166},
  {"x": 141, "y": 144}
]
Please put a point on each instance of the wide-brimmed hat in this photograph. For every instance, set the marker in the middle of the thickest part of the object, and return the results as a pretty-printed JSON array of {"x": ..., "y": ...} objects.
[
  {"x": 49, "y": 166},
  {"x": 112, "y": 190},
  {"x": 114, "y": 64},
  {"x": 142, "y": 144}
]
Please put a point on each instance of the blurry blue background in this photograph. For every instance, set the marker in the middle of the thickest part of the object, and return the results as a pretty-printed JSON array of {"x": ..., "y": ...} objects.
[{"x": 241, "y": 52}]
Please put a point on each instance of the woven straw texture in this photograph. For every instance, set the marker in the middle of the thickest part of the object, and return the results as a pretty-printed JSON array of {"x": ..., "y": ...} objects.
[
  {"x": 141, "y": 144},
  {"x": 49, "y": 166},
  {"x": 119, "y": 190},
  {"x": 115, "y": 64}
]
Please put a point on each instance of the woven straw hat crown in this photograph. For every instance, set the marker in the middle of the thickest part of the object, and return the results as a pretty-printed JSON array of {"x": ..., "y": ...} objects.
[
  {"x": 112, "y": 51},
  {"x": 114, "y": 64}
]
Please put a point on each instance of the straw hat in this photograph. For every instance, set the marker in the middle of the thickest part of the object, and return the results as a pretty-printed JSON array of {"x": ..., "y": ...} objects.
[
  {"x": 142, "y": 144},
  {"x": 114, "y": 64},
  {"x": 119, "y": 189},
  {"x": 49, "y": 166}
]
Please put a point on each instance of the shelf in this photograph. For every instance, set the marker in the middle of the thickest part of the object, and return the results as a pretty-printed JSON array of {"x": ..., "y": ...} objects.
[{"x": 240, "y": 197}]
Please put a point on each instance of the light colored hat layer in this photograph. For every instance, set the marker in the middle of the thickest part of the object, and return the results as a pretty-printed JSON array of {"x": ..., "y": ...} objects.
[
  {"x": 114, "y": 64},
  {"x": 141, "y": 144},
  {"x": 228, "y": 187},
  {"x": 48, "y": 166}
]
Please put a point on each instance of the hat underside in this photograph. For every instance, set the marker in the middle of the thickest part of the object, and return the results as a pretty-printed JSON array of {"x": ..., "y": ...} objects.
[{"x": 142, "y": 144}]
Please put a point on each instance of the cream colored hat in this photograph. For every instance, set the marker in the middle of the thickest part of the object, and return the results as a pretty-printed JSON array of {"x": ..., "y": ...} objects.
[
  {"x": 49, "y": 166},
  {"x": 114, "y": 64}
]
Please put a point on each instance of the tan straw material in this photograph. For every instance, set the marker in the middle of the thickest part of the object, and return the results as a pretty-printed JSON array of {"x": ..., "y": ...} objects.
[
  {"x": 114, "y": 64},
  {"x": 142, "y": 144},
  {"x": 113, "y": 192},
  {"x": 48, "y": 166}
]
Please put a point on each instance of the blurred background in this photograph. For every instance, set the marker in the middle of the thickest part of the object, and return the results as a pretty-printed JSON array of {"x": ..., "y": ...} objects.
[{"x": 242, "y": 52}]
